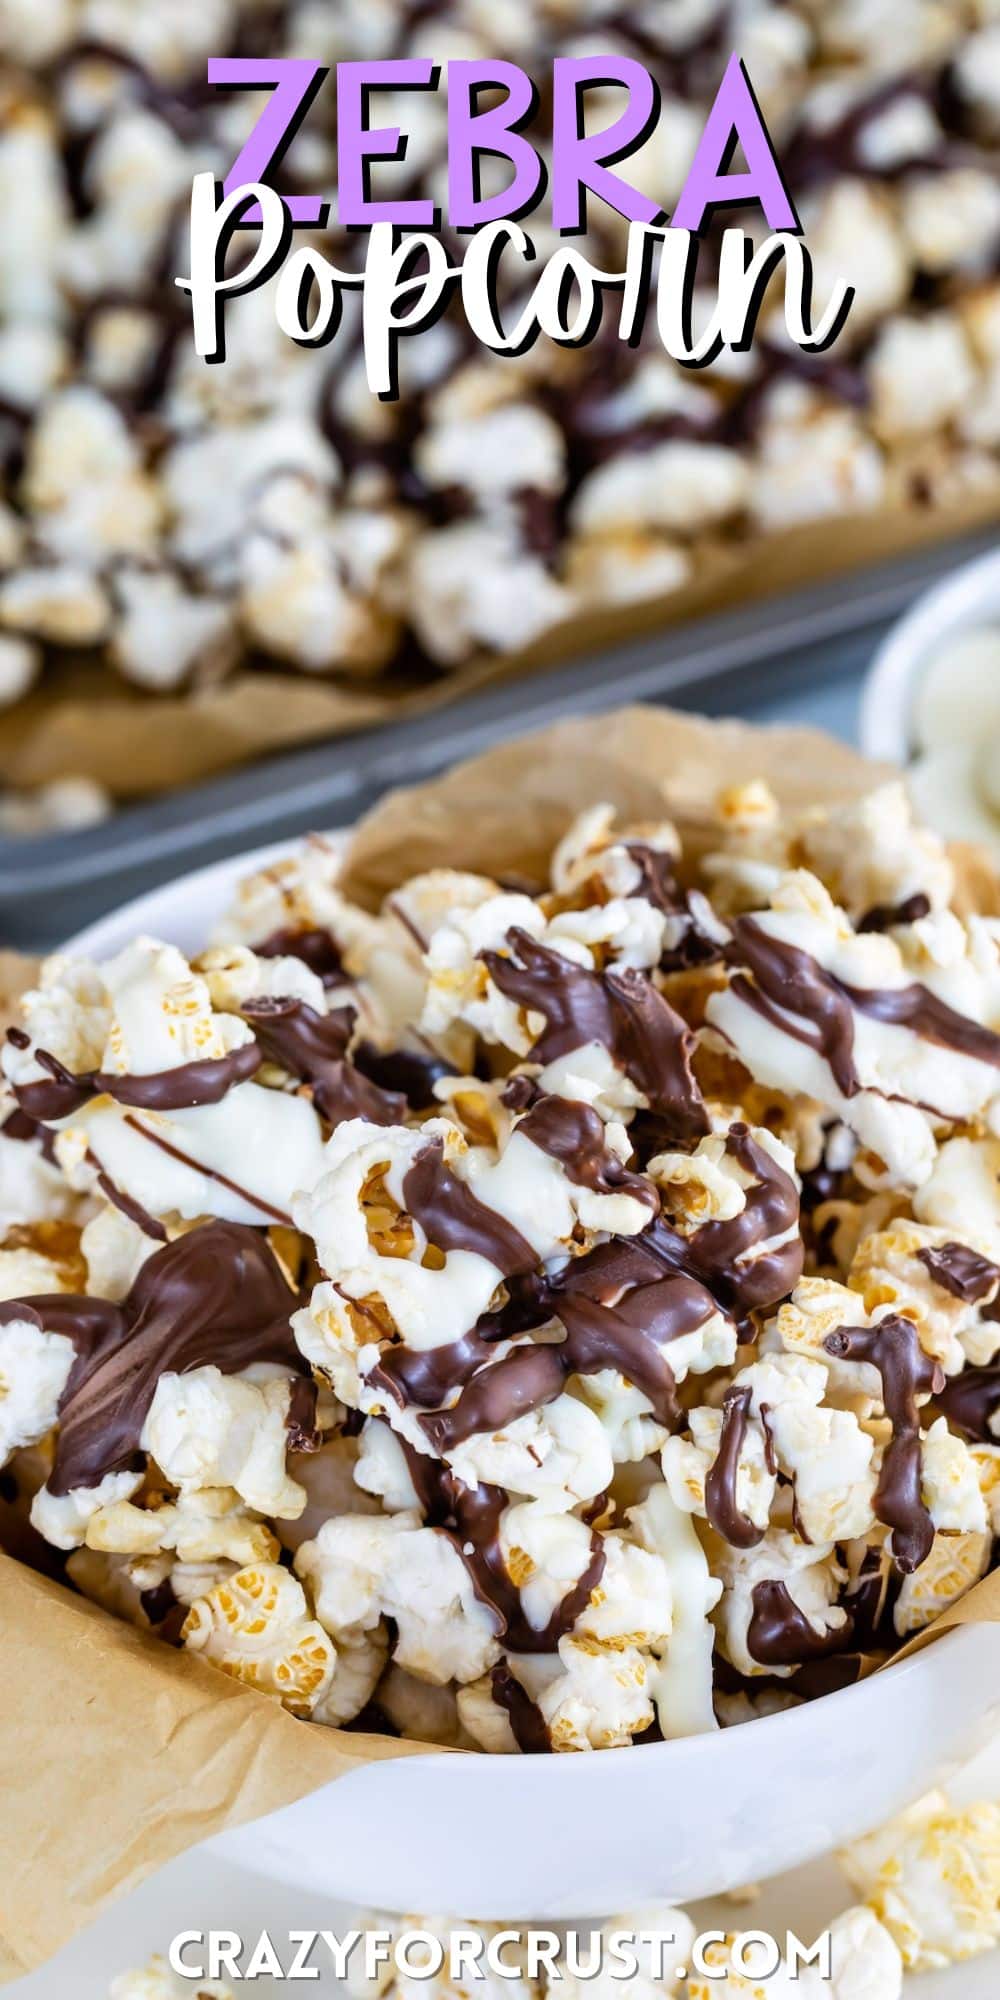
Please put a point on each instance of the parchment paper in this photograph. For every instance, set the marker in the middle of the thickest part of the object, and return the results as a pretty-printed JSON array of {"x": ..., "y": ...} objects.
[
  {"x": 116, "y": 1752},
  {"x": 85, "y": 719}
]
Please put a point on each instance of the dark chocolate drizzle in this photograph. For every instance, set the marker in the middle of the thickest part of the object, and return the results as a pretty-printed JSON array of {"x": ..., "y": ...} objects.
[
  {"x": 185, "y": 1088},
  {"x": 158, "y": 1602},
  {"x": 423, "y": 1377},
  {"x": 917, "y": 1008},
  {"x": 317, "y": 949},
  {"x": 520, "y": 1093},
  {"x": 300, "y": 1417},
  {"x": 453, "y": 1218},
  {"x": 412, "y": 1072},
  {"x": 524, "y": 1381},
  {"x": 132, "y": 1209},
  {"x": 215, "y": 1296},
  {"x": 970, "y": 1401},
  {"x": 622, "y": 1011},
  {"x": 887, "y": 916},
  {"x": 621, "y": 1310},
  {"x": 211, "y": 1173},
  {"x": 26, "y": 1131},
  {"x": 470, "y": 1516},
  {"x": 792, "y": 991},
  {"x": 780, "y": 1635},
  {"x": 658, "y": 883},
  {"x": 719, "y": 1252},
  {"x": 313, "y": 1047},
  {"x": 528, "y": 1725},
  {"x": 962, "y": 1272},
  {"x": 893, "y": 1348},
  {"x": 808, "y": 1681},
  {"x": 871, "y": 1601},
  {"x": 620, "y": 1307},
  {"x": 697, "y": 944},
  {"x": 574, "y": 1134},
  {"x": 721, "y": 1504}
]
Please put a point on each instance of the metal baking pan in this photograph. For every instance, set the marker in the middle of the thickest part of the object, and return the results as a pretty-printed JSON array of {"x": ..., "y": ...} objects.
[{"x": 734, "y": 662}]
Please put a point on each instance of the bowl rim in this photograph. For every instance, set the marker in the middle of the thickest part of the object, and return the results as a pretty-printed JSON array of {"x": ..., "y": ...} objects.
[
  {"x": 971, "y": 592},
  {"x": 228, "y": 870}
]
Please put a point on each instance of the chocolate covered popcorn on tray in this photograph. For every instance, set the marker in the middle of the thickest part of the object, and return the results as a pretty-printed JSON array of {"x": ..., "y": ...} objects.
[
  {"x": 176, "y": 523},
  {"x": 526, "y": 1313}
]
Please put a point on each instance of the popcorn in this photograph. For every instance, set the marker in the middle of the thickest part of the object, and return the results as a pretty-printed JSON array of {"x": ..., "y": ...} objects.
[
  {"x": 955, "y": 1563},
  {"x": 205, "y": 1429},
  {"x": 32, "y": 1189},
  {"x": 166, "y": 635},
  {"x": 908, "y": 1266},
  {"x": 872, "y": 857},
  {"x": 932, "y": 1877},
  {"x": 505, "y": 449},
  {"x": 65, "y": 1519},
  {"x": 779, "y": 1603},
  {"x": 960, "y": 1194},
  {"x": 390, "y": 1983},
  {"x": 921, "y": 375},
  {"x": 67, "y": 805},
  {"x": 297, "y": 604},
  {"x": 676, "y": 487},
  {"x": 60, "y": 604},
  {"x": 977, "y": 79},
  {"x": 832, "y": 1014},
  {"x": 593, "y": 1700},
  {"x": 664, "y": 1938},
  {"x": 950, "y": 1482},
  {"x": 188, "y": 1148},
  {"x": 421, "y": 1713},
  {"x": 157, "y": 1982},
  {"x": 257, "y": 1627},
  {"x": 115, "y": 1249},
  {"x": 360, "y": 1570},
  {"x": 951, "y": 220},
  {"x": 474, "y": 586},
  {"x": 814, "y": 461},
  {"x": 558, "y": 1289},
  {"x": 20, "y": 666},
  {"x": 853, "y": 226},
  {"x": 128, "y": 1588},
  {"x": 41, "y": 1258},
  {"x": 34, "y": 1369},
  {"x": 864, "y": 1960}
]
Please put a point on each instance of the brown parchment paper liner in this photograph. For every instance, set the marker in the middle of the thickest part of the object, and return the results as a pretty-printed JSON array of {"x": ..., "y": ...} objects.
[
  {"x": 84, "y": 719},
  {"x": 116, "y": 1752}
]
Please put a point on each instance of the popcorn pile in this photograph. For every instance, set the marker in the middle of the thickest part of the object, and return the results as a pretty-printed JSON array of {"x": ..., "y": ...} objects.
[
  {"x": 534, "y": 1318},
  {"x": 174, "y": 519}
]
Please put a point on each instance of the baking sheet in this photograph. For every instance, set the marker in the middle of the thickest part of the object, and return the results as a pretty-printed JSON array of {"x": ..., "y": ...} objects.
[{"x": 731, "y": 662}]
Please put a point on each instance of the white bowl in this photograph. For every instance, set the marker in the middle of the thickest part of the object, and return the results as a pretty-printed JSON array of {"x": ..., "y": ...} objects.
[
  {"x": 968, "y": 598},
  {"x": 552, "y": 1837}
]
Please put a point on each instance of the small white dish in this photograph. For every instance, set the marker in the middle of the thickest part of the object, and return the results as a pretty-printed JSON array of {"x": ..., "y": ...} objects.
[
  {"x": 548, "y": 1837},
  {"x": 968, "y": 599}
]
